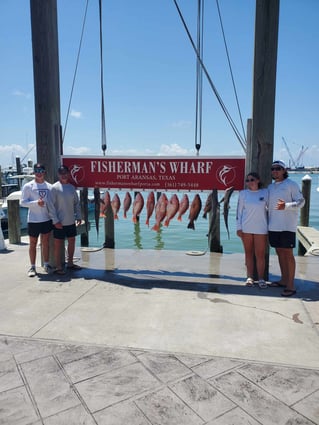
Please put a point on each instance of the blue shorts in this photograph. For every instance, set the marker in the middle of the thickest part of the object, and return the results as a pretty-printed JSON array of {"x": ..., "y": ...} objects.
[
  {"x": 36, "y": 229},
  {"x": 65, "y": 232},
  {"x": 282, "y": 239}
]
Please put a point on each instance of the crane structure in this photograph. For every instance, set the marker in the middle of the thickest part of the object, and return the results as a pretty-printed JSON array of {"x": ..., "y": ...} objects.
[{"x": 295, "y": 162}]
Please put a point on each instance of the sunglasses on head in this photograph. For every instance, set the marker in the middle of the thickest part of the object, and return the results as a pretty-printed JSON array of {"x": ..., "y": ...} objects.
[
  {"x": 250, "y": 180},
  {"x": 276, "y": 168},
  {"x": 39, "y": 170}
]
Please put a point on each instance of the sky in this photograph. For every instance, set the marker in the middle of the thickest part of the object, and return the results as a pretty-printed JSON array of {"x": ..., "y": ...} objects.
[{"x": 150, "y": 78}]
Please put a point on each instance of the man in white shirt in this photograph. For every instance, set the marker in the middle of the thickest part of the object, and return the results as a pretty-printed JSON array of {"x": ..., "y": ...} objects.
[
  {"x": 285, "y": 200},
  {"x": 35, "y": 196}
]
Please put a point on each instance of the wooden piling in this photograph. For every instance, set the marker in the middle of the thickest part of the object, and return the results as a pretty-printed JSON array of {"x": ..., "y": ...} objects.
[
  {"x": 14, "y": 224},
  {"x": 304, "y": 212}
]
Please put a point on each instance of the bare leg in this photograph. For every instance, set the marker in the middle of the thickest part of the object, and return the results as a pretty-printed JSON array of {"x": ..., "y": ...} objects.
[
  {"x": 287, "y": 265},
  {"x": 260, "y": 242},
  {"x": 71, "y": 249},
  {"x": 45, "y": 240},
  {"x": 248, "y": 243},
  {"x": 33, "y": 249},
  {"x": 58, "y": 246}
]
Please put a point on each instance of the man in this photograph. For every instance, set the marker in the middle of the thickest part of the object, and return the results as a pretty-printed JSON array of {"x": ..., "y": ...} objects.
[
  {"x": 285, "y": 200},
  {"x": 35, "y": 196},
  {"x": 66, "y": 214}
]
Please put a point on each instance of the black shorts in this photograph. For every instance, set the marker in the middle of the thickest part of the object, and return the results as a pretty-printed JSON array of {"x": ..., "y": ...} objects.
[
  {"x": 65, "y": 232},
  {"x": 36, "y": 229},
  {"x": 282, "y": 239}
]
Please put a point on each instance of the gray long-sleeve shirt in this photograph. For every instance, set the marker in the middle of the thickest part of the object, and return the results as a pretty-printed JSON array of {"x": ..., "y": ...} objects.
[{"x": 65, "y": 205}]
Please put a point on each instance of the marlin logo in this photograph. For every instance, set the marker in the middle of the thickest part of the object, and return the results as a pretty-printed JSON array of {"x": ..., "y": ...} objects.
[
  {"x": 42, "y": 193},
  {"x": 77, "y": 173},
  {"x": 226, "y": 174}
]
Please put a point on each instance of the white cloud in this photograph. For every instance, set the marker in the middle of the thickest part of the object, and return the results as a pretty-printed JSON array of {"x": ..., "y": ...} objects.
[
  {"x": 181, "y": 124},
  {"x": 173, "y": 149},
  {"x": 76, "y": 114},
  {"x": 81, "y": 150},
  {"x": 21, "y": 94}
]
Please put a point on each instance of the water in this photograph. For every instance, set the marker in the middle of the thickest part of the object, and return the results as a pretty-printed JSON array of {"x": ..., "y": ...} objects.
[{"x": 176, "y": 236}]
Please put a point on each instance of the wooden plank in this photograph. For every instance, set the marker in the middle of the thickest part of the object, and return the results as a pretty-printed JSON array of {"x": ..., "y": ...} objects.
[{"x": 309, "y": 238}]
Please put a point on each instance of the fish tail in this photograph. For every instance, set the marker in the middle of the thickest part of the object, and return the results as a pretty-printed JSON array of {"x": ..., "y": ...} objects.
[
  {"x": 179, "y": 218},
  {"x": 191, "y": 225},
  {"x": 134, "y": 219},
  {"x": 147, "y": 222},
  {"x": 124, "y": 215},
  {"x": 156, "y": 227},
  {"x": 205, "y": 215},
  {"x": 116, "y": 217},
  {"x": 166, "y": 222}
]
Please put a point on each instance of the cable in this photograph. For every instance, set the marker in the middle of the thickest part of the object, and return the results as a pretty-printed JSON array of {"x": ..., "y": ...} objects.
[
  {"x": 231, "y": 71},
  {"x": 103, "y": 130},
  {"x": 232, "y": 124},
  {"x": 75, "y": 72}
]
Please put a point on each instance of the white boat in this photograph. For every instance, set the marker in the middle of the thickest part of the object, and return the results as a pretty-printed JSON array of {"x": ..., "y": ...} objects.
[{"x": 23, "y": 211}]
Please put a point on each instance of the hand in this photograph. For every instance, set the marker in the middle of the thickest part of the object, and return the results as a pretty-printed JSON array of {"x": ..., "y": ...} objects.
[
  {"x": 280, "y": 204},
  {"x": 78, "y": 222},
  {"x": 240, "y": 233},
  {"x": 58, "y": 225},
  {"x": 41, "y": 202}
]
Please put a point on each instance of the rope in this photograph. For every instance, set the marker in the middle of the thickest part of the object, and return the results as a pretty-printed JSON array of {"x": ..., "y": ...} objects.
[
  {"x": 103, "y": 130},
  {"x": 199, "y": 77},
  {"x": 232, "y": 124},
  {"x": 76, "y": 69}
]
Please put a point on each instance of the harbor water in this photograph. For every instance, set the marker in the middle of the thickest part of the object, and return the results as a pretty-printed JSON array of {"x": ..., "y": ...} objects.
[{"x": 177, "y": 236}]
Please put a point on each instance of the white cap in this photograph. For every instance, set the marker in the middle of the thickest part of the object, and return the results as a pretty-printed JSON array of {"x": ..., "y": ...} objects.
[{"x": 280, "y": 163}]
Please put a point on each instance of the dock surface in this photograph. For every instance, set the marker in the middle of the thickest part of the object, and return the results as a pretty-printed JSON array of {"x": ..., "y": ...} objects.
[{"x": 156, "y": 337}]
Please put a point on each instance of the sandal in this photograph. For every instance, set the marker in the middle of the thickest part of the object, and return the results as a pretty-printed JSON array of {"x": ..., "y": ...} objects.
[
  {"x": 276, "y": 285},
  {"x": 59, "y": 271},
  {"x": 74, "y": 267},
  {"x": 249, "y": 281},
  {"x": 288, "y": 292},
  {"x": 262, "y": 284}
]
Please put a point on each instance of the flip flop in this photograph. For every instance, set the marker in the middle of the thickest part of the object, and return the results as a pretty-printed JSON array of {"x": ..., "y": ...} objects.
[
  {"x": 276, "y": 285},
  {"x": 288, "y": 292}
]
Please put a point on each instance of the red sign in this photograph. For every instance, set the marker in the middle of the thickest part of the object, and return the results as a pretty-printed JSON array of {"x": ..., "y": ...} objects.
[{"x": 157, "y": 173}]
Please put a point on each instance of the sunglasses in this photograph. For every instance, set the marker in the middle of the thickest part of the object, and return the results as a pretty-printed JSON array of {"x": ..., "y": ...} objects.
[
  {"x": 276, "y": 168},
  {"x": 39, "y": 170},
  {"x": 250, "y": 180}
]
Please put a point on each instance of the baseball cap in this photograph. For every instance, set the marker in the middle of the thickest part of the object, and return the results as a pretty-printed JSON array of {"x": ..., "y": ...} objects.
[
  {"x": 280, "y": 163},
  {"x": 63, "y": 169},
  {"x": 38, "y": 166}
]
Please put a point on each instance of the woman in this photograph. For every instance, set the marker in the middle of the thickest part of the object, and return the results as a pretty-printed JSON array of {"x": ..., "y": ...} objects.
[{"x": 252, "y": 227}]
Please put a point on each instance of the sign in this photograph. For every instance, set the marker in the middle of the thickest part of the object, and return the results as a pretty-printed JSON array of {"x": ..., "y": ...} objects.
[{"x": 157, "y": 173}]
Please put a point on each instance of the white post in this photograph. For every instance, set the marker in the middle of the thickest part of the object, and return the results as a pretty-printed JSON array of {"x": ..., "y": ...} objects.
[{"x": 2, "y": 244}]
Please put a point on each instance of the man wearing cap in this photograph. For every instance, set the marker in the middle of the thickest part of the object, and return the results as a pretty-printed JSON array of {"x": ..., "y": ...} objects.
[
  {"x": 35, "y": 196},
  {"x": 285, "y": 200},
  {"x": 65, "y": 212}
]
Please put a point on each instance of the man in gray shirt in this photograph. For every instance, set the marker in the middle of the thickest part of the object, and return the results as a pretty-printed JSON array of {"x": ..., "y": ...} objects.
[{"x": 66, "y": 214}]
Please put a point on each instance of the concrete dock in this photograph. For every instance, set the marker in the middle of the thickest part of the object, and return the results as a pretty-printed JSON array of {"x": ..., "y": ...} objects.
[{"x": 156, "y": 338}]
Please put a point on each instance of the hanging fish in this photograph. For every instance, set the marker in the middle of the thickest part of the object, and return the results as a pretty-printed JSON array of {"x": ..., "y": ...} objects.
[
  {"x": 226, "y": 199},
  {"x": 208, "y": 205},
  {"x": 115, "y": 204},
  {"x": 105, "y": 203},
  {"x": 150, "y": 205},
  {"x": 183, "y": 207},
  {"x": 97, "y": 202},
  {"x": 194, "y": 211},
  {"x": 171, "y": 210},
  {"x": 126, "y": 203},
  {"x": 214, "y": 225},
  {"x": 138, "y": 205},
  {"x": 160, "y": 211}
]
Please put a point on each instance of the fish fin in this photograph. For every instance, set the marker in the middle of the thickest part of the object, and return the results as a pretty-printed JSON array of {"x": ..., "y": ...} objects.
[
  {"x": 191, "y": 225},
  {"x": 205, "y": 215}
]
